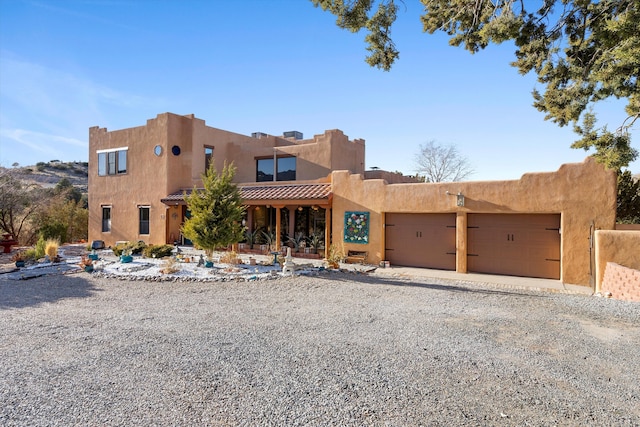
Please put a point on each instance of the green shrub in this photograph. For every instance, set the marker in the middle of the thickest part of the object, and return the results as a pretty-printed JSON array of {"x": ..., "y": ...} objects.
[
  {"x": 135, "y": 248},
  {"x": 39, "y": 249},
  {"x": 54, "y": 230},
  {"x": 157, "y": 251},
  {"x": 29, "y": 254},
  {"x": 138, "y": 247},
  {"x": 40, "y": 166},
  {"x": 119, "y": 249}
]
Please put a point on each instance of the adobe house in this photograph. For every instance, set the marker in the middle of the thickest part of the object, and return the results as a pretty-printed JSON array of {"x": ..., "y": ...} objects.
[
  {"x": 138, "y": 176},
  {"x": 541, "y": 225}
]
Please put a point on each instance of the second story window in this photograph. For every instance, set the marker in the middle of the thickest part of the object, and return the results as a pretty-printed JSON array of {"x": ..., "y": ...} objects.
[
  {"x": 208, "y": 157},
  {"x": 285, "y": 169},
  {"x": 112, "y": 162}
]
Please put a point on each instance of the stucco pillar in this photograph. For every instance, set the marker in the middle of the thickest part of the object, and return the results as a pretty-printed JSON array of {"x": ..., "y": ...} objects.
[
  {"x": 292, "y": 222},
  {"x": 461, "y": 242},
  {"x": 327, "y": 230}
]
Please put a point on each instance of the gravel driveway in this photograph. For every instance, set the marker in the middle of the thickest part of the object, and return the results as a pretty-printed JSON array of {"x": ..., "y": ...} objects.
[{"x": 335, "y": 349}]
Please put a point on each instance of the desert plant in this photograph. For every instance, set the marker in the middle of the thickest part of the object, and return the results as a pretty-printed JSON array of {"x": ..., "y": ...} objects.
[
  {"x": 230, "y": 257},
  {"x": 251, "y": 237},
  {"x": 85, "y": 261},
  {"x": 315, "y": 241},
  {"x": 169, "y": 266},
  {"x": 298, "y": 241},
  {"x": 269, "y": 238},
  {"x": 157, "y": 251},
  {"x": 335, "y": 256},
  {"x": 51, "y": 248}
]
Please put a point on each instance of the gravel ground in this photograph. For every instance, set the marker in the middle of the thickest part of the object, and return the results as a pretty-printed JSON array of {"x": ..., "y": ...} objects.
[{"x": 337, "y": 349}]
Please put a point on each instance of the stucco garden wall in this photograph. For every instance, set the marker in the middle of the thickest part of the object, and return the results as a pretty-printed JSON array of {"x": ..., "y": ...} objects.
[
  {"x": 617, "y": 261},
  {"x": 583, "y": 193}
]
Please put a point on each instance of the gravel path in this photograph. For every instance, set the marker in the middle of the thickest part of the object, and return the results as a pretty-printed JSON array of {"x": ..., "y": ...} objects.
[{"x": 337, "y": 349}]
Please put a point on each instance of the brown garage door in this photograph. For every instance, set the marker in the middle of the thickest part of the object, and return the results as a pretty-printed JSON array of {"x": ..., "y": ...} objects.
[
  {"x": 514, "y": 244},
  {"x": 421, "y": 240}
]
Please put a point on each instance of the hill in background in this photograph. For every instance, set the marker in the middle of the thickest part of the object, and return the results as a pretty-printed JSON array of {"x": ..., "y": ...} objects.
[{"x": 48, "y": 174}]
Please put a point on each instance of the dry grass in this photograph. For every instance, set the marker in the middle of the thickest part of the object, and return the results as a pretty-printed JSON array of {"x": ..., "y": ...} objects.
[
  {"x": 51, "y": 248},
  {"x": 230, "y": 257},
  {"x": 169, "y": 266}
]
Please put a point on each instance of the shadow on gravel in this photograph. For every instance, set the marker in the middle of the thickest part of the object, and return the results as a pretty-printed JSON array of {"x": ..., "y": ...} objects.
[
  {"x": 453, "y": 287},
  {"x": 34, "y": 292}
]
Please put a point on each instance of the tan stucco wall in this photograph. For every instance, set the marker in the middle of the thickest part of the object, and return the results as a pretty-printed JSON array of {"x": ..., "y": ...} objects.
[
  {"x": 142, "y": 185},
  {"x": 583, "y": 193},
  {"x": 620, "y": 247}
]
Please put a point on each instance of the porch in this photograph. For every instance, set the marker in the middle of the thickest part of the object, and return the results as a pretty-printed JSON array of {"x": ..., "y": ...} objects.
[{"x": 278, "y": 215}]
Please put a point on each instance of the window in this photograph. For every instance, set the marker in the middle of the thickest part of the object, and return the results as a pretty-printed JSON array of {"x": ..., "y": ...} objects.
[
  {"x": 144, "y": 219},
  {"x": 106, "y": 219},
  {"x": 286, "y": 169},
  {"x": 112, "y": 162},
  {"x": 265, "y": 170},
  {"x": 208, "y": 157},
  {"x": 122, "y": 161}
]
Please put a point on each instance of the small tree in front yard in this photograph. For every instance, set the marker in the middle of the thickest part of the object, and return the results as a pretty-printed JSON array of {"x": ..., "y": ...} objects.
[{"x": 216, "y": 211}]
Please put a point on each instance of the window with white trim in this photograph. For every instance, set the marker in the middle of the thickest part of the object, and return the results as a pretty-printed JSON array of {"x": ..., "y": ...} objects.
[{"x": 112, "y": 161}]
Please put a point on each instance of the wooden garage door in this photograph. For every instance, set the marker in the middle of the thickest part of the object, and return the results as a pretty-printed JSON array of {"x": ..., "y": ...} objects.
[
  {"x": 421, "y": 240},
  {"x": 514, "y": 244}
]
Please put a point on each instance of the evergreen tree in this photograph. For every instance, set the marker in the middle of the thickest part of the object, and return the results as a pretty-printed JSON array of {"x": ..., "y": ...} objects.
[
  {"x": 582, "y": 51},
  {"x": 628, "y": 198},
  {"x": 216, "y": 211}
]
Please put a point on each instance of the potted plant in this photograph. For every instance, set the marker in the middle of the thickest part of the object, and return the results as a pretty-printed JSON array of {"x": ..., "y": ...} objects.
[
  {"x": 87, "y": 264},
  {"x": 19, "y": 259},
  {"x": 315, "y": 241},
  {"x": 297, "y": 241},
  {"x": 269, "y": 238},
  {"x": 93, "y": 255},
  {"x": 126, "y": 256}
]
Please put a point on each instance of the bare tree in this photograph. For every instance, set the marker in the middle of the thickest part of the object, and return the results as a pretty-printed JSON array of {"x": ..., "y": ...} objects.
[
  {"x": 440, "y": 163},
  {"x": 18, "y": 204}
]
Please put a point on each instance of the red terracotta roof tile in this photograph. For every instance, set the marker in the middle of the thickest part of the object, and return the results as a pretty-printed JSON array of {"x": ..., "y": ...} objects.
[{"x": 283, "y": 192}]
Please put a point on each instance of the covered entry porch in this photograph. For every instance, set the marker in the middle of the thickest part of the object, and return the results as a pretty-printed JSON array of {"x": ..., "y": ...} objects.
[
  {"x": 282, "y": 213},
  {"x": 276, "y": 214}
]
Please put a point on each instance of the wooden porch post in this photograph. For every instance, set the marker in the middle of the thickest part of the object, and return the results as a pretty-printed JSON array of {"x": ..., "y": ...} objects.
[
  {"x": 292, "y": 221},
  {"x": 327, "y": 230},
  {"x": 277, "y": 228}
]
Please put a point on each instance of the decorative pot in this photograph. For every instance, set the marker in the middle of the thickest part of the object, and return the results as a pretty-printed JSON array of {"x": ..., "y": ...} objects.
[
  {"x": 19, "y": 264},
  {"x": 88, "y": 268},
  {"x": 125, "y": 258},
  {"x": 93, "y": 256},
  {"x": 208, "y": 264}
]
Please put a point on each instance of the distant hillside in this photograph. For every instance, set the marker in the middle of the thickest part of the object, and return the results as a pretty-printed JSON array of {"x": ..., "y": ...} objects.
[{"x": 48, "y": 174}]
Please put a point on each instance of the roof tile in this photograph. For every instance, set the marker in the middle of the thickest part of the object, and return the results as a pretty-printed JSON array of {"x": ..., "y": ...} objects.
[{"x": 270, "y": 192}]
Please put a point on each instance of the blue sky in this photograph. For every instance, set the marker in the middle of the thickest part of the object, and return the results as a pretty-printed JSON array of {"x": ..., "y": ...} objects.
[{"x": 268, "y": 66}]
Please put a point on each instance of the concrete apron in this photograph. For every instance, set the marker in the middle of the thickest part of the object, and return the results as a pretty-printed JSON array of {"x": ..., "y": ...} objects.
[{"x": 511, "y": 282}]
